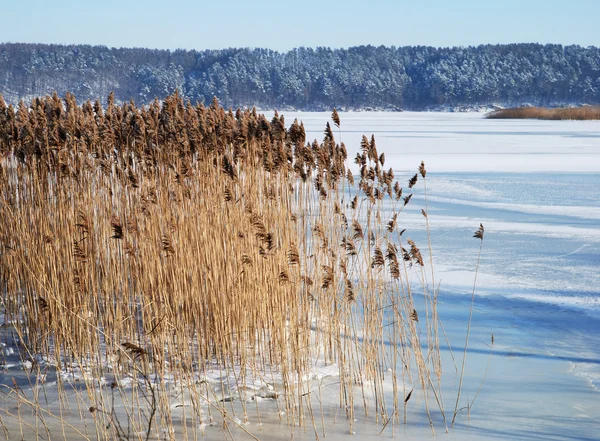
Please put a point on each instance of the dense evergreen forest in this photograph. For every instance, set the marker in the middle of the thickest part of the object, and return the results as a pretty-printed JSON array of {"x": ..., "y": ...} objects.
[{"x": 413, "y": 77}]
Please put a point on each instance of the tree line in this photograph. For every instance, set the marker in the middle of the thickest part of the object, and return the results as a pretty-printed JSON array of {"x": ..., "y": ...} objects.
[{"x": 410, "y": 77}]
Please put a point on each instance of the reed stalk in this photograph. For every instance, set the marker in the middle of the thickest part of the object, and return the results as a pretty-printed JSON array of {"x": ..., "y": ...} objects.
[{"x": 174, "y": 262}]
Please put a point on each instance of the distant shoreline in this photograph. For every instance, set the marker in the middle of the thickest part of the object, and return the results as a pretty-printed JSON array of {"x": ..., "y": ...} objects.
[
  {"x": 362, "y": 77},
  {"x": 581, "y": 113}
]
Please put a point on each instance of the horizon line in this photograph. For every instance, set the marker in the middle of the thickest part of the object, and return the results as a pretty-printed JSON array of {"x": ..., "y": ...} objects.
[{"x": 68, "y": 45}]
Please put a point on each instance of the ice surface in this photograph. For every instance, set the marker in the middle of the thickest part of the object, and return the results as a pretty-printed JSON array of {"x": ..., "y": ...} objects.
[
  {"x": 535, "y": 186},
  {"x": 453, "y": 142}
]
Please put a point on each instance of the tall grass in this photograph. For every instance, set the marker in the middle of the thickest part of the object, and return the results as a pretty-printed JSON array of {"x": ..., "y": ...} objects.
[
  {"x": 146, "y": 249},
  {"x": 560, "y": 113}
]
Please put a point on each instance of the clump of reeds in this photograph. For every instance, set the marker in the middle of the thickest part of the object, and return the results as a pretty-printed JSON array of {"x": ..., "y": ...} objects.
[
  {"x": 559, "y": 113},
  {"x": 143, "y": 248}
]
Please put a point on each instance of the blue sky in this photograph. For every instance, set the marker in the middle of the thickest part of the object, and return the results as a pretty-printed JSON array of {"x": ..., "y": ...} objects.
[{"x": 283, "y": 25}]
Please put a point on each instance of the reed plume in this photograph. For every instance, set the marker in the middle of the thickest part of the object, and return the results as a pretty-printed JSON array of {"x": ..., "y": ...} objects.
[{"x": 155, "y": 246}]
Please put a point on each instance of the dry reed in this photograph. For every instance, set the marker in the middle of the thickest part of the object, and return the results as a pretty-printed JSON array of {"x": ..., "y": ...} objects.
[
  {"x": 560, "y": 113},
  {"x": 144, "y": 249}
]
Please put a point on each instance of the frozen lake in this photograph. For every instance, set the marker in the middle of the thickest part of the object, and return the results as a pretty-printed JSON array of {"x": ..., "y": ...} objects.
[
  {"x": 452, "y": 142},
  {"x": 535, "y": 187}
]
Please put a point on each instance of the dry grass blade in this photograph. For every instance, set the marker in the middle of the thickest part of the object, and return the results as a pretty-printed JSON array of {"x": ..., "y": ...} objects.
[
  {"x": 328, "y": 277},
  {"x": 479, "y": 233},
  {"x": 228, "y": 168},
  {"x": 391, "y": 225},
  {"x": 134, "y": 349},
  {"x": 377, "y": 261},
  {"x": 335, "y": 117},
  {"x": 414, "y": 315},
  {"x": 43, "y": 303},
  {"x": 283, "y": 277},
  {"x": 293, "y": 255},
  {"x": 350, "y": 177},
  {"x": 358, "y": 232},
  {"x": 415, "y": 253},
  {"x": 82, "y": 222},
  {"x": 412, "y": 181},
  {"x": 78, "y": 253},
  {"x": 167, "y": 245},
  {"x": 117, "y": 227},
  {"x": 307, "y": 280},
  {"x": 397, "y": 190},
  {"x": 349, "y": 291},
  {"x": 133, "y": 180},
  {"x": 258, "y": 225},
  {"x": 350, "y": 247},
  {"x": 228, "y": 195}
]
